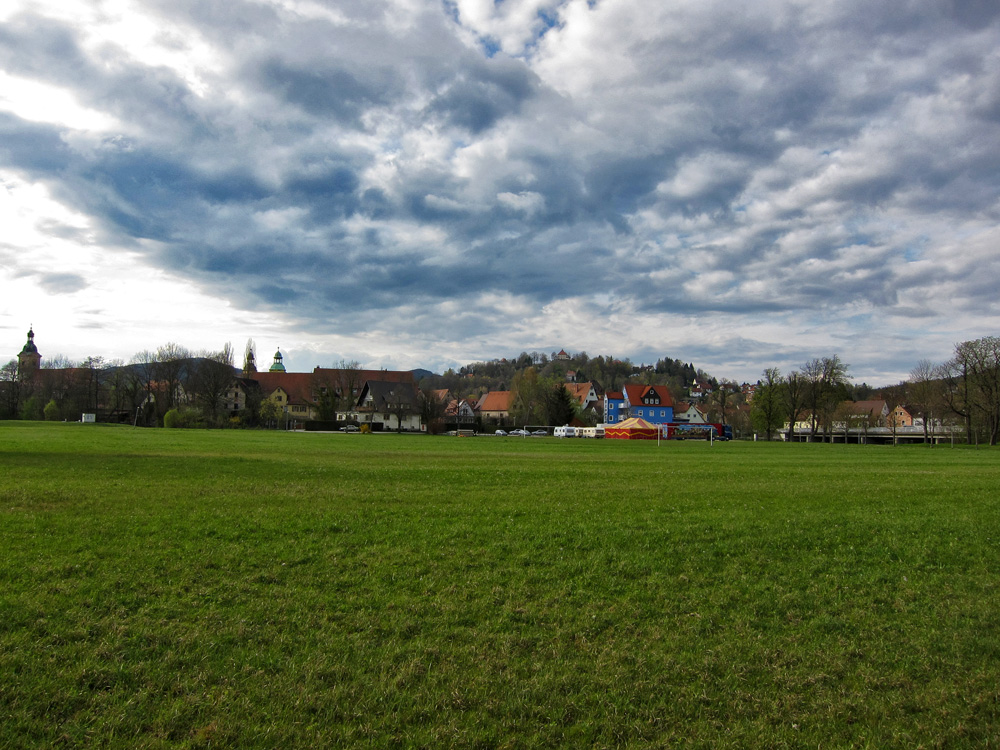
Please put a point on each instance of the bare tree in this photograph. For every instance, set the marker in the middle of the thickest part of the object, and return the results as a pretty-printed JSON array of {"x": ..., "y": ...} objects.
[
  {"x": 214, "y": 376},
  {"x": 794, "y": 392},
  {"x": 924, "y": 394},
  {"x": 973, "y": 384},
  {"x": 170, "y": 368},
  {"x": 432, "y": 411},
  {"x": 827, "y": 382}
]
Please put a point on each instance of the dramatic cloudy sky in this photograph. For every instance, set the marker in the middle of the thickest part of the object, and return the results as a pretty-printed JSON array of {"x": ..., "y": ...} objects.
[{"x": 430, "y": 182}]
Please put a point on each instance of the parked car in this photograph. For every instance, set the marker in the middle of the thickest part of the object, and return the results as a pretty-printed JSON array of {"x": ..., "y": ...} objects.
[
  {"x": 520, "y": 433},
  {"x": 349, "y": 428},
  {"x": 501, "y": 433},
  {"x": 540, "y": 433}
]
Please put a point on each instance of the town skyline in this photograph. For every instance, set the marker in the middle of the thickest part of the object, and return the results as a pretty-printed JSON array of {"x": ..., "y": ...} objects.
[{"x": 265, "y": 357}]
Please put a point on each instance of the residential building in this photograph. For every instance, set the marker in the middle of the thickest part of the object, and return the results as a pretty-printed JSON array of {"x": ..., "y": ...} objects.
[
  {"x": 389, "y": 405},
  {"x": 900, "y": 417},
  {"x": 494, "y": 406},
  {"x": 614, "y": 407},
  {"x": 650, "y": 402},
  {"x": 686, "y": 411}
]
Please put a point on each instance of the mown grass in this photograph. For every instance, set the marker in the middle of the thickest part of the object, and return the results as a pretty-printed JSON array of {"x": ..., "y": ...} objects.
[{"x": 239, "y": 589}]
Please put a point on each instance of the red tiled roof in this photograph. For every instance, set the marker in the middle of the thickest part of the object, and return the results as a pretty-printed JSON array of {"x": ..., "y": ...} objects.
[
  {"x": 637, "y": 392},
  {"x": 494, "y": 401}
]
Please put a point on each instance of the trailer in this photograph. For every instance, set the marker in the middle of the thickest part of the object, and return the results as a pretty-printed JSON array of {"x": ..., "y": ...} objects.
[{"x": 697, "y": 431}]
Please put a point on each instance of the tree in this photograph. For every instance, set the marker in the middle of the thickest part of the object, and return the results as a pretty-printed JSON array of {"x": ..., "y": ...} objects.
[
  {"x": 722, "y": 397},
  {"x": 270, "y": 413},
  {"x": 90, "y": 385},
  {"x": 432, "y": 411},
  {"x": 767, "y": 409},
  {"x": 212, "y": 378},
  {"x": 527, "y": 398},
  {"x": 893, "y": 395},
  {"x": 794, "y": 393},
  {"x": 560, "y": 407},
  {"x": 973, "y": 384},
  {"x": 337, "y": 389},
  {"x": 10, "y": 391},
  {"x": 52, "y": 411},
  {"x": 925, "y": 393},
  {"x": 144, "y": 367},
  {"x": 171, "y": 361},
  {"x": 826, "y": 385}
]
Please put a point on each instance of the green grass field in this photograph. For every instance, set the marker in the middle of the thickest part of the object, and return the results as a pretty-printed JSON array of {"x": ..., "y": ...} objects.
[{"x": 167, "y": 588}]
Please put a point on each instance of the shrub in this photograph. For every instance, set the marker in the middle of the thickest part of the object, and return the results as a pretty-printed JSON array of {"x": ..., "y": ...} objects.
[
  {"x": 180, "y": 418},
  {"x": 51, "y": 411}
]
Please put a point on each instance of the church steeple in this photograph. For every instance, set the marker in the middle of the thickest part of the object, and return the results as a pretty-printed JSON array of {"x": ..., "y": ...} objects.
[
  {"x": 276, "y": 366},
  {"x": 29, "y": 359}
]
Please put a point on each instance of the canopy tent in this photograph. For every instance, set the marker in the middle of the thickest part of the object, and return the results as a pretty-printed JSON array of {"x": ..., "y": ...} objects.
[{"x": 632, "y": 429}]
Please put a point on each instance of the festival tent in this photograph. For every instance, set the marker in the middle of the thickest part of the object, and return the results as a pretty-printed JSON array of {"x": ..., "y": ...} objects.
[{"x": 632, "y": 429}]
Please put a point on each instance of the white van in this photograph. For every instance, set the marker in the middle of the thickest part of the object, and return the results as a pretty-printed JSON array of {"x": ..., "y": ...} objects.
[{"x": 565, "y": 431}]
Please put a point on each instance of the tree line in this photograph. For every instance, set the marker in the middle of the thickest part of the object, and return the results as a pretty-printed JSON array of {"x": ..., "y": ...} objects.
[
  {"x": 152, "y": 384},
  {"x": 964, "y": 390}
]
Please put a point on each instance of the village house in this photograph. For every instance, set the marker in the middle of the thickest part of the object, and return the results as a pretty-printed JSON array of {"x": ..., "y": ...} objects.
[
  {"x": 652, "y": 403},
  {"x": 686, "y": 411},
  {"x": 494, "y": 406}
]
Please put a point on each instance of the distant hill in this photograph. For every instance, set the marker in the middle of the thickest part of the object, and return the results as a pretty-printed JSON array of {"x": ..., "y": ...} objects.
[{"x": 419, "y": 375}]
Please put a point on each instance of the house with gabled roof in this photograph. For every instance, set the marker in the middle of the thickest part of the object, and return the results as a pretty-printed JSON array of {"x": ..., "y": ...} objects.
[
  {"x": 650, "y": 402},
  {"x": 585, "y": 394},
  {"x": 459, "y": 411},
  {"x": 901, "y": 417},
  {"x": 685, "y": 411},
  {"x": 389, "y": 405},
  {"x": 494, "y": 406}
]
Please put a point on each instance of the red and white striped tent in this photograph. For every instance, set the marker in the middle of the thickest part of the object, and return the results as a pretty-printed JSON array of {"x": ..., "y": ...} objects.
[{"x": 632, "y": 429}]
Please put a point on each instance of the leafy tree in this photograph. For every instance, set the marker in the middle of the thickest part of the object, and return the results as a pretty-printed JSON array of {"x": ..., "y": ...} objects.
[
  {"x": 767, "y": 407},
  {"x": 32, "y": 409},
  {"x": 270, "y": 413},
  {"x": 560, "y": 407},
  {"x": 51, "y": 411},
  {"x": 527, "y": 398}
]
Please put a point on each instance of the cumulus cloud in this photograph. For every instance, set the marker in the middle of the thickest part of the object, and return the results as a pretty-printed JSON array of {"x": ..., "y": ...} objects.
[{"x": 460, "y": 173}]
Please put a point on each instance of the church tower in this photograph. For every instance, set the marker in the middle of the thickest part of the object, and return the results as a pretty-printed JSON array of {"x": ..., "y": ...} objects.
[
  {"x": 29, "y": 360},
  {"x": 277, "y": 366}
]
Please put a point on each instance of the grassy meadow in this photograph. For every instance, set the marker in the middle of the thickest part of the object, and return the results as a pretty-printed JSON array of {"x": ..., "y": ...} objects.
[{"x": 170, "y": 588}]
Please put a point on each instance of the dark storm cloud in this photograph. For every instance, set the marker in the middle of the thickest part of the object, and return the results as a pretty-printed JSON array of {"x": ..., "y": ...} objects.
[
  {"x": 485, "y": 92},
  {"x": 327, "y": 91}
]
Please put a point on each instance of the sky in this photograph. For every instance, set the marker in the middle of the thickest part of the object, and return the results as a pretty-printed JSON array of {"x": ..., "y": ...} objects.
[{"x": 429, "y": 183}]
